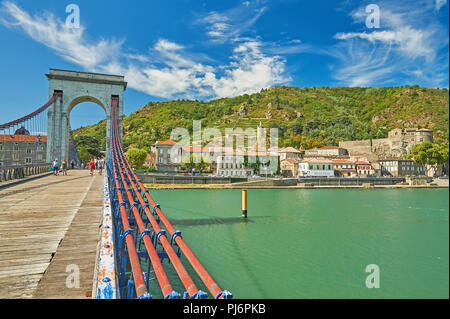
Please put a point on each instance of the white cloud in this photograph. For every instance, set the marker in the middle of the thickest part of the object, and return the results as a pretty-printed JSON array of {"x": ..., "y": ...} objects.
[
  {"x": 168, "y": 70},
  {"x": 439, "y": 4},
  {"x": 249, "y": 71},
  {"x": 410, "y": 39},
  {"x": 66, "y": 42},
  {"x": 166, "y": 45},
  {"x": 252, "y": 71},
  {"x": 231, "y": 24},
  {"x": 411, "y": 42}
]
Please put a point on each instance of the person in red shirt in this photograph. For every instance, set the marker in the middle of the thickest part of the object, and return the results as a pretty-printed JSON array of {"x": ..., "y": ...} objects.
[{"x": 92, "y": 166}]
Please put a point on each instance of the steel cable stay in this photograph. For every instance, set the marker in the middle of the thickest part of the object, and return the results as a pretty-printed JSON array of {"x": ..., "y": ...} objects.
[
  {"x": 176, "y": 237},
  {"x": 32, "y": 115},
  {"x": 165, "y": 285},
  {"x": 131, "y": 206},
  {"x": 187, "y": 281}
]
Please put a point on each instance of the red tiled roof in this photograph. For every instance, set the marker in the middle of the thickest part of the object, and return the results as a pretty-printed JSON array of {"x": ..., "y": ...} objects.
[
  {"x": 22, "y": 138},
  {"x": 166, "y": 142},
  {"x": 196, "y": 149},
  {"x": 342, "y": 162},
  {"x": 316, "y": 160}
]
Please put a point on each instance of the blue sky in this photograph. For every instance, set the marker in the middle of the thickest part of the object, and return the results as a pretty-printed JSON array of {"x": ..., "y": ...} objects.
[{"x": 210, "y": 49}]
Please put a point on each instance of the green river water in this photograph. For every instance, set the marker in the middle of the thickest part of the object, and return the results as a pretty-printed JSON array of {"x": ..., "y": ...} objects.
[{"x": 316, "y": 243}]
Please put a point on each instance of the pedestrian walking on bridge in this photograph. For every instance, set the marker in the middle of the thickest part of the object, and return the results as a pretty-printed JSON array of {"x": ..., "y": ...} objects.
[
  {"x": 64, "y": 167},
  {"x": 56, "y": 167},
  {"x": 92, "y": 167},
  {"x": 100, "y": 164}
]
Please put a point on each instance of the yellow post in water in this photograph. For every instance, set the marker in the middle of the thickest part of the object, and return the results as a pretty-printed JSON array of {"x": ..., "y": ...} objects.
[{"x": 244, "y": 203}]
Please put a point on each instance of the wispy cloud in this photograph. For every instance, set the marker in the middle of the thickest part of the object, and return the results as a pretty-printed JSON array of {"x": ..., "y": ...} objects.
[
  {"x": 168, "y": 69},
  {"x": 439, "y": 4},
  {"x": 69, "y": 43},
  {"x": 229, "y": 25},
  {"x": 408, "y": 44}
]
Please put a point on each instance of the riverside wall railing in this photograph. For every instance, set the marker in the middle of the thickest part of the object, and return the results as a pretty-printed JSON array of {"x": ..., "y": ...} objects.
[
  {"x": 354, "y": 181},
  {"x": 16, "y": 172},
  {"x": 148, "y": 178}
]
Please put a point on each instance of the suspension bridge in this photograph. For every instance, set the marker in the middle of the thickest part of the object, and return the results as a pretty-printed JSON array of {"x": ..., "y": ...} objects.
[{"x": 82, "y": 236}]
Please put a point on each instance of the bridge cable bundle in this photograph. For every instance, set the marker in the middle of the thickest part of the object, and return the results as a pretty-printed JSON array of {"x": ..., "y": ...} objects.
[{"x": 133, "y": 206}]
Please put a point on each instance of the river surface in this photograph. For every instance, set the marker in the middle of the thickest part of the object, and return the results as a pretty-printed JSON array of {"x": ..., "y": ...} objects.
[{"x": 316, "y": 243}]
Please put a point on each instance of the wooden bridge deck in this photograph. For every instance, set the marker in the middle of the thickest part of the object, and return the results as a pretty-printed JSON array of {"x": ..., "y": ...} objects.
[{"x": 46, "y": 225}]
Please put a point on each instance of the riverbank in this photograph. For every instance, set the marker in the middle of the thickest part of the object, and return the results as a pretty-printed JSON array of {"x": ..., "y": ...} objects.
[{"x": 231, "y": 186}]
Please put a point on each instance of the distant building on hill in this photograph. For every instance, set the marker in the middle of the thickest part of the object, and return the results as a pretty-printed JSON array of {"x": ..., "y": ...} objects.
[
  {"x": 398, "y": 143},
  {"x": 327, "y": 151}
]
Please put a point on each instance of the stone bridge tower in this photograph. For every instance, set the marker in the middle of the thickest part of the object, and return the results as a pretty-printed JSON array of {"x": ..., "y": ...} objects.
[{"x": 76, "y": 88}]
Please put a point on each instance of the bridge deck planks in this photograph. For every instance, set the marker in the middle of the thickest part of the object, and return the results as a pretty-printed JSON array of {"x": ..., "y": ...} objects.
[{"x": 45, "y": 225}]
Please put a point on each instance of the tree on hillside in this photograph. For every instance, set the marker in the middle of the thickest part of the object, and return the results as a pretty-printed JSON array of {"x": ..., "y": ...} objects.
[
  {"x": 89, "y": 143},
  {"x": 137, "y": 157},
  {"x": 84, "y": 155}
]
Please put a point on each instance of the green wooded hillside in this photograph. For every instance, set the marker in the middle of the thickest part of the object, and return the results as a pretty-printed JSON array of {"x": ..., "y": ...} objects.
[{"x": 311, "y": 117}]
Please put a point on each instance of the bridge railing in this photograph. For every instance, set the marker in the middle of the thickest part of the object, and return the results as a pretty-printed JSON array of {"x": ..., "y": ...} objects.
[{"x": 12, "y": 172}]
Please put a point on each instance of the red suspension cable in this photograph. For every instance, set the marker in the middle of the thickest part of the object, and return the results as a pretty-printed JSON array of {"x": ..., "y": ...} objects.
[{"x": 29, "y": 116}]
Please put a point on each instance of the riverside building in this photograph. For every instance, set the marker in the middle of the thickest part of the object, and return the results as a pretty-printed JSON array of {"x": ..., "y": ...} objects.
[{"x": 22, "y": 149}]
